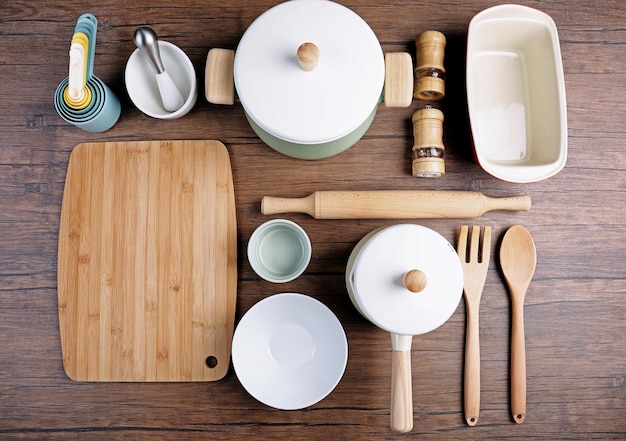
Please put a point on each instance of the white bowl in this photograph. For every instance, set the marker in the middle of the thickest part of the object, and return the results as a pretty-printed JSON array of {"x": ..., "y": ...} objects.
[
  {"x": 141, "y": 83},
  {"x": 516, "y": 93},
  {"x": 289, "y": 351}
]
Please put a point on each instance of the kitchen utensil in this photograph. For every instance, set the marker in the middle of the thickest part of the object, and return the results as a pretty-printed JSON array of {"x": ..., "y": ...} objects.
[
  {"x": 279, "y": 250},
  {"x": 143, "y": 85},
  {"x": 77, "y": 95},
  {"x": 518, "y": 258},
  {"x": 99, "y": 109},
  {"x": 429, "y": 69},
  {"x": 516, "y": 93},
  {"x": 428, "y": 149},
  {"x": 407, "y": 280},
  {"x": 393, "y": 204},
  {"x": 475, "y": 266},
  {"x": 289, "y": 351},
  {"x": 146, "y": 40},
  {"x": 323, "y": 106},
  {"x": 147, "y": 263}
]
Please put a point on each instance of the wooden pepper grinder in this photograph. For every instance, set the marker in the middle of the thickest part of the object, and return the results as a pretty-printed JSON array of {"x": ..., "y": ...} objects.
[
  {"x": 428, "y": 148},
  {"x": 429, "y": 71}
]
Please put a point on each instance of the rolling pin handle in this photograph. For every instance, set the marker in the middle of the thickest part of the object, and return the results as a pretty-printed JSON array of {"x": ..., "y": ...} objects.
[
  {"x": 276, "y": 205},
  {"x": 512, "y": 203}
]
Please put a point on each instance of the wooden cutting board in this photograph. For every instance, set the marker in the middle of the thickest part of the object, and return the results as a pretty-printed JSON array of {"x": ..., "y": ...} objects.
[{"x": 147, "y": 264}]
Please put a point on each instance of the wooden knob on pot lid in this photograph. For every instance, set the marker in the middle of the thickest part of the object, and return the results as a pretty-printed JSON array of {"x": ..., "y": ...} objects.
[
  {"x": 308, "y": 56},
  {"x": 415, "y": 280}
]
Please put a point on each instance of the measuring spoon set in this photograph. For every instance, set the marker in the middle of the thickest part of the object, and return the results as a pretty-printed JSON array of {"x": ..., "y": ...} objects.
[{"x": 82, "y": 98}]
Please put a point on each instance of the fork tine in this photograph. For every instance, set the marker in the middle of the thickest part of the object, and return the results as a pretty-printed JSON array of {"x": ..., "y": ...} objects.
[
  {"x": 486, "y": 248},
  {"x": 474, "y": 241},
  {"x": 462, "y": 244}
]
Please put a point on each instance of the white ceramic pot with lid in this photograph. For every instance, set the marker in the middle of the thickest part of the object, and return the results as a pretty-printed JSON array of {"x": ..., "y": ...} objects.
[
  {"x": 310, "y": 75},
  {"x": 407, "y": 280}
]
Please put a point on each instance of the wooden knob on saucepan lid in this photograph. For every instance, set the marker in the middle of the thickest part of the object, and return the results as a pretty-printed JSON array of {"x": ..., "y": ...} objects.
[
  {"x": 415, "y": 280},
  {"x": 308, "y": 56}
]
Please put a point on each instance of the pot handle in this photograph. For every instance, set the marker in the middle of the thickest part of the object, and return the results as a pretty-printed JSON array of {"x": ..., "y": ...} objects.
[
  {"x": 401, "y": 414},
  {"x": 219, "y": 82},
  {"x": 398, "y": 79}
]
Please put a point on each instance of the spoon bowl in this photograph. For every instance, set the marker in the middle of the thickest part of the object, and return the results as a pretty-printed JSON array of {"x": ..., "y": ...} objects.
[
  {"x": 518, "y": 256},
  {"x": 518, "y": 259}
]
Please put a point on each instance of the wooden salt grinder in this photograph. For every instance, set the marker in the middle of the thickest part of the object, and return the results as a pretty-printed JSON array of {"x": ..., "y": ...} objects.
[
  {"x": 428, "y": 148},
  {"x": 429, "y": 71}
]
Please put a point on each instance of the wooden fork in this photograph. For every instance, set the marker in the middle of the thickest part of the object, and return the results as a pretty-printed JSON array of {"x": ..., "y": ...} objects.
[{"x": 474, "y": 274}]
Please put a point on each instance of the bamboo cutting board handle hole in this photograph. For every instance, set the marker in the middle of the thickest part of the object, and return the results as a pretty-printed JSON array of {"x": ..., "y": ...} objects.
[{"x": 211, "y": 362}]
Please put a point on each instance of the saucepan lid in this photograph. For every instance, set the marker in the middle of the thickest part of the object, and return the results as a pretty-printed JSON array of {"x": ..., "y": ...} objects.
[
  {"x": 406, "y": 279},
  {"x": 316, "y": 106}
]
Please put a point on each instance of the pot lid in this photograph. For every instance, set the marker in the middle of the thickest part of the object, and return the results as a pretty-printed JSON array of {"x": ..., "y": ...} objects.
[
  {"x": 396, "y": 260},
  {"x": 316, "y": 106}
]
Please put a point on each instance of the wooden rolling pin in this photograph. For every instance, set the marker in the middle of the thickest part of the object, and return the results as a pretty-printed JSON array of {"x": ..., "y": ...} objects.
[{"x": 393, "y": 204}]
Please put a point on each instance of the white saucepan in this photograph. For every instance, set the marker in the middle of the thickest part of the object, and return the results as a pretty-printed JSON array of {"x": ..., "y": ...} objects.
[{"x": 407, "y": 280}]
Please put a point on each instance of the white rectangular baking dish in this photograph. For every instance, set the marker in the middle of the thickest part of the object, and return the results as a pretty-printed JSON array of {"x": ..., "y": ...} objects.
[{"x": 516, "y": 93}]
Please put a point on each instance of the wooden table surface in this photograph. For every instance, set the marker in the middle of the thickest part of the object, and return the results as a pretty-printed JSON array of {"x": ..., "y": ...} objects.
[{"x": 574, "y": 313}]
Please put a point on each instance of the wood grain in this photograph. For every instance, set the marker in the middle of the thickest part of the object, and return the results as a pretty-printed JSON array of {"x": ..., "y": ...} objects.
[
  {"x": 147, "y": 262},
  {"x": 574, "y": 310}
]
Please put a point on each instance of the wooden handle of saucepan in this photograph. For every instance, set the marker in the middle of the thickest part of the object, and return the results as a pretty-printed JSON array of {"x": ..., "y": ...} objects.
[
  {"x": 401, "y": 413},
  {"x": 393, "y": 204}
]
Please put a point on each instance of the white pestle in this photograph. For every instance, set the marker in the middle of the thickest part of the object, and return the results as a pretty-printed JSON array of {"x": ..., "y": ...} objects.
[{"x": 146, "y": 40}]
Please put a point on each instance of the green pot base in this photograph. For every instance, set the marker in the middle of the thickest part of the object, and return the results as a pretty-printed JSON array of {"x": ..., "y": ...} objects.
[{"x": 313, "y": 151}]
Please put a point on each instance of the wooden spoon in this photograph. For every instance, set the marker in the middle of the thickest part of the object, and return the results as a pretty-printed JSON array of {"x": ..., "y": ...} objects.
[{"x": 518, "y": 258}]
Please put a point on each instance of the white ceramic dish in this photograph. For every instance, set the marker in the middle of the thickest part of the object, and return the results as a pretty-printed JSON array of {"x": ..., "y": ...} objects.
[
  {"x": 142, "y": 87},
  {"x": 289, "y": 351},
  {"x": 516, "y": 93}
]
